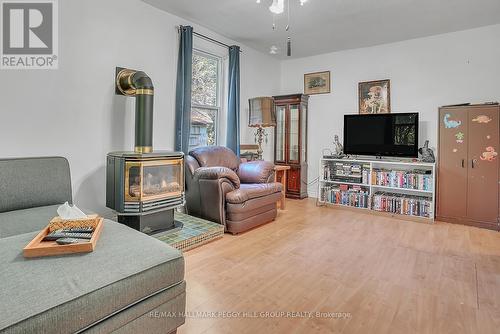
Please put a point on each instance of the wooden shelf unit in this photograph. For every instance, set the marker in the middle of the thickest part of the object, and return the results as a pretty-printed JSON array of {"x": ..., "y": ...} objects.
[{"x": 389, "y": 165}]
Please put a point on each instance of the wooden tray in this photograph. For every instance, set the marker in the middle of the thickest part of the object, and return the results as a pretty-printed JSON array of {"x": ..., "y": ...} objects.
[{"x": 37, "y": 247}]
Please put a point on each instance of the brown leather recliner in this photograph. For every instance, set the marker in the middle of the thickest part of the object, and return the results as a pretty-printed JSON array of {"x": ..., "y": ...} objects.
[{"x": 237, "y": 195}]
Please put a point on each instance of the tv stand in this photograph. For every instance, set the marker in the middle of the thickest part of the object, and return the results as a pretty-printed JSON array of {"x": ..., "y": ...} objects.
[{"x": 405, "y": 189}]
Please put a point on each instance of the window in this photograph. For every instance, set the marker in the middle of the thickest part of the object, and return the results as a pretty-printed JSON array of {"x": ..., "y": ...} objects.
[{"x": 205, "y": 99}]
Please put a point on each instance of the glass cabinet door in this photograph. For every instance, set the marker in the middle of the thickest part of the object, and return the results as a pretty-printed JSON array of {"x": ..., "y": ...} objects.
[
  {"x": 303, "y": 145},
  {"x": 293, "y": 134},
  {"x": 280, "y": 133}
]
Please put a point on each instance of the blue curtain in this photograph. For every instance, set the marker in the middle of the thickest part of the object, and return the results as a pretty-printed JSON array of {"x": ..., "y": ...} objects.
[
  {"x": 183, "y": 89},
  {"x": 233, "y": 106}
]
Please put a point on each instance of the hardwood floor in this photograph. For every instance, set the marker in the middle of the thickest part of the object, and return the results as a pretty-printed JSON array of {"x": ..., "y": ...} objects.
[{"x": 391, "y": 276}]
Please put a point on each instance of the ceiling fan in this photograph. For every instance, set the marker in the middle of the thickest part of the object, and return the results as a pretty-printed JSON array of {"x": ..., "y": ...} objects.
[{"x": 277, "y": 7}]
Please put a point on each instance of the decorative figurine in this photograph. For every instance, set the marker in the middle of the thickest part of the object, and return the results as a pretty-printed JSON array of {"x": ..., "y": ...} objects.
[
  {"x": 427, "y": 153},
  {"x": 339, "y": 148}
]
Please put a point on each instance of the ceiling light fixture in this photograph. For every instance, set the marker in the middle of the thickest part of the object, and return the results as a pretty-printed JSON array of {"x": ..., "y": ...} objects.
[{"x": 277, "y": 7}]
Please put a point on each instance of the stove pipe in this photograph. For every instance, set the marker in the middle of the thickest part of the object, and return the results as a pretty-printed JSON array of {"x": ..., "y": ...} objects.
[{"x": 136, "y": 83}]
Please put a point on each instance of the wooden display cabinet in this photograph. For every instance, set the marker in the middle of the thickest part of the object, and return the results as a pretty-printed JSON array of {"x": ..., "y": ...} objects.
[{"x": 290, "y": 144}]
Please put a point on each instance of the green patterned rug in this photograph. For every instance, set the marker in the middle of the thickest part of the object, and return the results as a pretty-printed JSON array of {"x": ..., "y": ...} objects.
[{"x": 194, "y": 233}]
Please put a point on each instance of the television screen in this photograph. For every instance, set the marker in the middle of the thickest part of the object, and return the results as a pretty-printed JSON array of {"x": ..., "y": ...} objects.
[{"x": 381, "y": 134}]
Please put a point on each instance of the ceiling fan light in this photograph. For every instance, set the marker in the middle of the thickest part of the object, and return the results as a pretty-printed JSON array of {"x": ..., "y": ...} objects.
[{"x": 277, "y": 7}]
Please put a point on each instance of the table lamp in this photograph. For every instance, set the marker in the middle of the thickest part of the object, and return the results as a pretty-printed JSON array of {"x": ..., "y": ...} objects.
[{"x": 261, "y": 115}]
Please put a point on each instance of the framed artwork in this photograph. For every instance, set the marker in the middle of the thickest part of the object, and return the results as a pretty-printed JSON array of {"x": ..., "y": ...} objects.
[
  {"x": 317, "y": 83},
  {"x": 374, "y": 97}
]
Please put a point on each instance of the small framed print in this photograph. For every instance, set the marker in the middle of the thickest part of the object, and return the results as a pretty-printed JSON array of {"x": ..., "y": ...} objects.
[
  {"x": 374, "y": 97},
  {"x": 317, "y": 83}
]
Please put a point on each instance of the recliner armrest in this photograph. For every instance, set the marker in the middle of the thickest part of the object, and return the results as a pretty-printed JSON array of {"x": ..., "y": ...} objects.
[
  {"x": 190, "y": 165},
  {"x": 214, "y": 173},
  {"x": 256, "y": 172}
]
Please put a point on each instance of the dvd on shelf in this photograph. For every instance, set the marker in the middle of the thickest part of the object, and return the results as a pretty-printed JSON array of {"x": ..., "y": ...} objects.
[
  {"x": 345, "y": 195},
  {"x": 414, "y": 179},
  {"x": 419, "y": 206}
]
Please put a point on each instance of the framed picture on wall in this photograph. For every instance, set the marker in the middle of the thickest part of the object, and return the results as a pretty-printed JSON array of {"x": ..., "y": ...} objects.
[
  {"x": 317, "y": 83},
  {"x": 374, "y": 97}
]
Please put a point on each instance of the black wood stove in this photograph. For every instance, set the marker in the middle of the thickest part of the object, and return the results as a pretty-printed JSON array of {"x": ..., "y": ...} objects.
[{"x": 144, "y": 186}]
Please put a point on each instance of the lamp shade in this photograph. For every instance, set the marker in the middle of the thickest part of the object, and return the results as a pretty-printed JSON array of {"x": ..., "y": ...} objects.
[{"x": 261, "y": 112}]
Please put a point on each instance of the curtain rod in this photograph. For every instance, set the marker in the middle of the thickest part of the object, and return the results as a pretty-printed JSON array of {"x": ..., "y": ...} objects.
[{"x": 208, "y": 38}]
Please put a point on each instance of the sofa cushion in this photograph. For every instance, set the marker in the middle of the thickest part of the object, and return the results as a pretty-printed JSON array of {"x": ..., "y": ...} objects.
[
  {"x": 251, "y": 191},
  {"x": 33, "y": 182},
  {"x": 63, "y": 294},
  {"x": 27, "y": 220},
  {"x": 138, "y": 319}
]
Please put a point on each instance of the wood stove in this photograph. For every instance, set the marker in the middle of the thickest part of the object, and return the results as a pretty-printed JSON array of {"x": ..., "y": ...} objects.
[{"x": 144, "y": 186}]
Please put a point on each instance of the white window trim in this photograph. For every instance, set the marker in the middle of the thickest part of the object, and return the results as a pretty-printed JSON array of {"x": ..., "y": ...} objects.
[
  {"x": 220, "y": 89},
  {"x": 221, "y": 54}
]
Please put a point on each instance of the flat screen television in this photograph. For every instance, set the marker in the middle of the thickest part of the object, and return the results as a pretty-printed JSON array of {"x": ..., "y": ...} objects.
[{"x": 381, "y": 134}]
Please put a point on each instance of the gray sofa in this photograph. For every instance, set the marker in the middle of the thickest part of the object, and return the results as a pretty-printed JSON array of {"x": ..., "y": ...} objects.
[{"x": 131, "y": 283}]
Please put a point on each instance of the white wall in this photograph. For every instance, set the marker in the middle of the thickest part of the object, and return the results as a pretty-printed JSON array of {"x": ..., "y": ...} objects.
[
  {"x": 262, "y": 79},
  {"x": 73, "y": 111},
  {"x": 425, "y": 74}
]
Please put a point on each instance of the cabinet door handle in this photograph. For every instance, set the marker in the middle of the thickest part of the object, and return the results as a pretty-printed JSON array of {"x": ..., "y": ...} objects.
[
  {"x": 473, "y": 163},
  {"x": 463, "y": 163}
]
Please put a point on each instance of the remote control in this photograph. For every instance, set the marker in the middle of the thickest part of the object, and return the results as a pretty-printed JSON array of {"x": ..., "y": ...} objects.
[
  {"x": 68, "y": 241},
  {"x": 78, "y": 230},
  {"x": 60, "y": 234}
]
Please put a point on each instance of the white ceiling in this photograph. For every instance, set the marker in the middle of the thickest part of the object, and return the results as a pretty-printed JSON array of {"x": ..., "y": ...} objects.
[{"x": 322, "y": 26}]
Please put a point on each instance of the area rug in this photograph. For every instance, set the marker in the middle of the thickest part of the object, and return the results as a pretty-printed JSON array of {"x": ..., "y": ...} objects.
[{"x": 194, "y": 233}]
